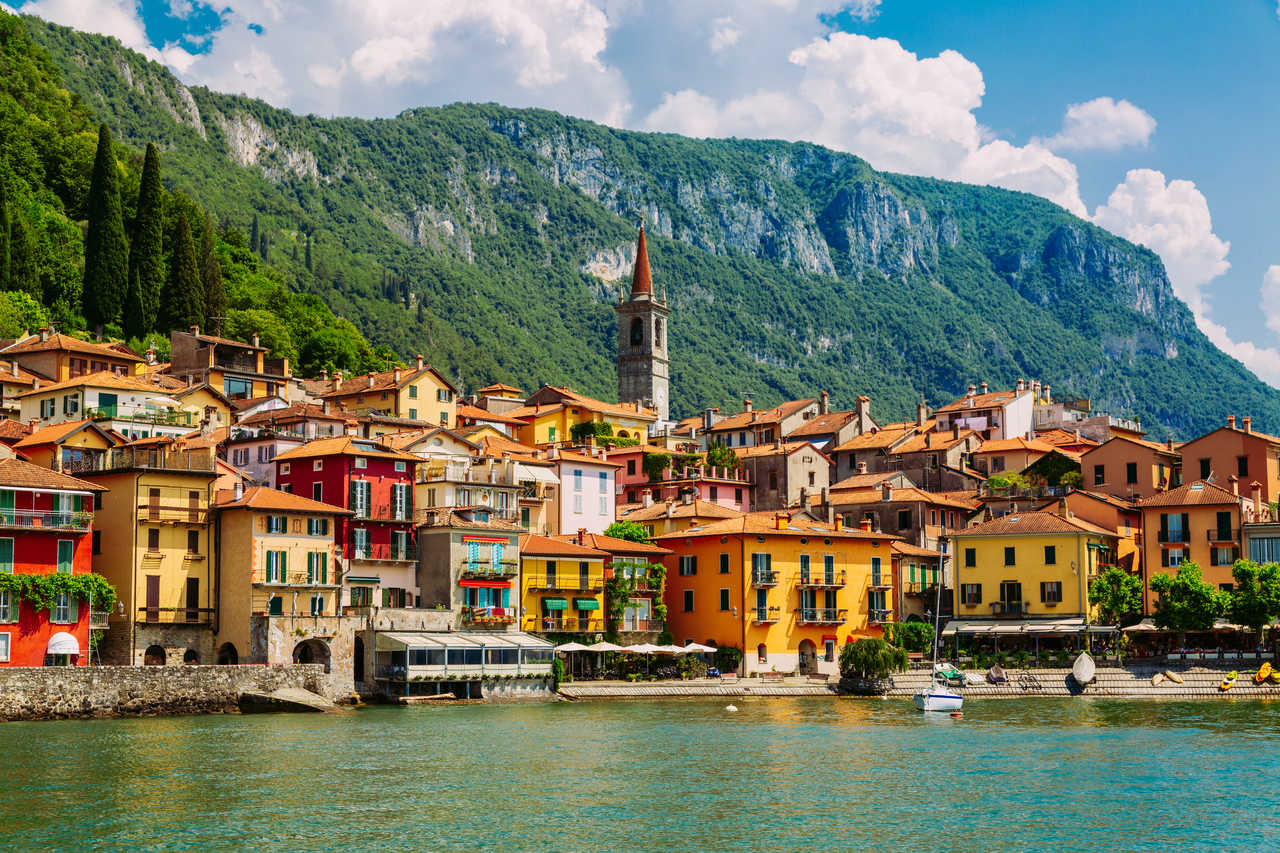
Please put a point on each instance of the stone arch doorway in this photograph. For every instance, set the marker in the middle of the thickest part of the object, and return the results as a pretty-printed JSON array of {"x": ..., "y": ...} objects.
[
  {"x": 358, "y": 668},
  {"x": 312, "y": 651},
  {"x": 191, "y": 657},
  {"x": 808, "y": 657},
  {"x": 227, "y": 655},
  {"x": 153, "y": 656}
]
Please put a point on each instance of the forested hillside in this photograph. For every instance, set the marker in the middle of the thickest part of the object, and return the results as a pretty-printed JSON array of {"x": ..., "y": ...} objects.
[{"x": 494, "y": 240}]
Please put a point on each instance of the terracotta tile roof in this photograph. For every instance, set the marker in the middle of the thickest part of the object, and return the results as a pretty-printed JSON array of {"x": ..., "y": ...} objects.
[
  {"x": 1198, "y": 493},
  {"x": 409, "y": 438},
  {"x": 262, "y": 497},
  {"x": 910, "y": 494},
  {"x": 196, "y": 439},
  {"x": 16, "y": 472},
  {"x": 1253, "y": 433},
  {"x": 504, "y": 448},
  {"x": 582, "y": 458},
  {"x": 316, "y": 387},
  {"x": 1042, "y": 521},
  {"x": 641, "y": 278},
  {"x": 499, "y": 387},
  {"x": 822, "y": 424},
  {"x": 864, "y": 481},
  {"x": 761, "y": 417},
  {"x": 1007, "y": 445},
  {"x": 615, "y": 546},
  {"x": 532, "y": 545},
  {"x": 963, "y": 495},
  {"x": 526, "y": 413},
  {"x": 11, "y": 430},
  {"x": 983, "y": 401},
  {"x": 1139, "y": 442},
  {"x": 1058, "y": 437},
  {"x": 685, "y": 426},
  {"x": 909, "y": 550},
  {"x": 477, "y": 414},
  {"x": 384, "y": 381},
  {"x": 927, "y": 441},
  {"x": 61, "y": 342},
  {"x": 569, "y": 397},
  {"x": 296, "y": 412},
  {"x": 12, "y": 373},
  {"x": 679, "y": 509},
  {"x": 106, "y": 379},
  {"x": 1111, "y": 500},
  {"x": 344, "y": 445},
  {"x": 214, "y": 339},
  {"x": 242, "y": 403},
  {"x": 886, "y": 436},
  {"x": 455, "y": 518},
  {"x": 57, "y": 432},
  {"x": 764, "y": 524},
  {"x": 788, "y": 448}
]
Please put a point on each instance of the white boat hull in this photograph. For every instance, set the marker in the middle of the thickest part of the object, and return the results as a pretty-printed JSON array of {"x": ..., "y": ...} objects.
[{"x": 937, "y": 700}]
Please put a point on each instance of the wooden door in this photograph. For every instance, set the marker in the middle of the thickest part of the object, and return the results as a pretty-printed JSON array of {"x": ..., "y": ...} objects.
[
  {"x": 153, "y": 598},
  {"x": 153, "y": 504},
  {"x": 193, "y": 599}
]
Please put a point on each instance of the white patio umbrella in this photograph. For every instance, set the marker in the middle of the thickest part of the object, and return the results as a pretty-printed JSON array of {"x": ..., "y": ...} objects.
[
  {"x": 163, "y": 401},
  {"x": 694, "y": 648},
  {"x": 641, "y": 649},
  {"x": 572, "y": 647},
  {"x": 603, "y": 646},
  {"x": 671, "y": 650}
]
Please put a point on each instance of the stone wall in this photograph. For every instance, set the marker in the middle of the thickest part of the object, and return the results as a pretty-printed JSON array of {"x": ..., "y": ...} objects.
[
  {"x": 517, "y": 689},
  {"x": 41, "y": 693},
  {"x": 326, "y": 640}
]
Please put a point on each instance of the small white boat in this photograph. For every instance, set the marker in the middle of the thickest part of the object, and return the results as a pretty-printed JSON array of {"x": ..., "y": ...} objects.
[
  {"x": 938, "y": 697},
  {"x": 1084, "y": 670}
]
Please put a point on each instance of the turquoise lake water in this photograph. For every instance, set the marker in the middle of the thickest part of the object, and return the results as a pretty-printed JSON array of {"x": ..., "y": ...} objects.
[{"x": 781, "y": 774}]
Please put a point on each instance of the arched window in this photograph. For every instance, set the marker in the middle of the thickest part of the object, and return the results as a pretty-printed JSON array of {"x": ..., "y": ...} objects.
[
  {"x": 762, "y": 653},
  {"x": 153, "y": 656},
  {"x": 637, "y": 332},
  {"x": 657, "y": 331}
]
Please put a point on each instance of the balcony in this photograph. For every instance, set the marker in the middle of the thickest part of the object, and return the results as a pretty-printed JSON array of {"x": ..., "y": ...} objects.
[
  {"x": 1015, "y": 609},
  {"x": 98, "y": 619},
  {"x": 383, "y": 512},
  {"x": 924, "y": 588},
  {"x": 765, "y": 615},
  {"x": 566, "y": 625},
  {"x": 565, "y": 583},
  {"x": 821, "y": 616},
  {"x": 149, "y": 459},
  {"x": 489, "y": 616},
  {"x": 1173, "y": 537},
  {"x": 34, "y": 519},
  {"x": 822, "y": 579},
  {"x": 1225, "y": 535},
  {"x": 763, "y": 578},
  {"x": 650, "y": 625},
  {"x": 175, "y": 615},
  {"x": 500, "y": 570},
  {"x": 172, "y": 513},
  {"x": 881, "y": 580},
  {"x": 879, "y": 617},
  {"x": 155, "y": 417},
  {"x": 385, "y": 553}
]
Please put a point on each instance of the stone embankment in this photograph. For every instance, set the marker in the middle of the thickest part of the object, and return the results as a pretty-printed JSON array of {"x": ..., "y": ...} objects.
[
  {"x": 1128, "y": 682},
  {"x": 57, "y": 692},
  {"x": 697, "y": 687}
]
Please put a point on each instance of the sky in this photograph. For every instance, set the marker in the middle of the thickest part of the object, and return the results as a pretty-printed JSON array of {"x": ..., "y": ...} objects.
[{"x": 1153, "y": 120}]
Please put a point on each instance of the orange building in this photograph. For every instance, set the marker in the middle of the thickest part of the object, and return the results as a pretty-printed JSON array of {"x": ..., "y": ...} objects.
[
  {"x": 1116, "y": 514},
  {"x": 1242, "y": 453},
  {"x": 1199, "y": 522},
  {"x": 786, "y": 589},
  {"x": 1130, "y": 467}
]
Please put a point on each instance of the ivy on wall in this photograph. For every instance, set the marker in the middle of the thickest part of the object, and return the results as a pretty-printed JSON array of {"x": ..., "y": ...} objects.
[{"x": 42, "y": 591}]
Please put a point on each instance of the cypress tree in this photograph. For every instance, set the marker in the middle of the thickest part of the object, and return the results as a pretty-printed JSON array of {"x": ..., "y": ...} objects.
[
  {"x": 106, "y": 253},
  {"x": 23, "y": 274},
  {"x": 253, "y": 235},
  {"x": 4, "y": 238},
  {"x": 263, "y": 242},
  {"x": 308, "y": 253},
  {"x": 183, "y": 302},
  {"x": 215, "y": 293},
  {"x": 146, "y": 254}
]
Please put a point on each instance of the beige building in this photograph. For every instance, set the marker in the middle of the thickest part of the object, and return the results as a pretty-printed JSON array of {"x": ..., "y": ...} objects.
[
  {"x": 782, "y": 471},
  {"x": 419, "y": 393}
]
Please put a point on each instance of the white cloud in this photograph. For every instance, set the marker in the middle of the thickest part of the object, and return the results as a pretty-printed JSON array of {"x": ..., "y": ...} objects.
[
  {"x": 118, "y": 18},
  {"x": 181, "y": 8},
  {"x": 1103, "y": 124},
  {"x": 724, "y": 34},
  {"x": 1270, "y": 298}
]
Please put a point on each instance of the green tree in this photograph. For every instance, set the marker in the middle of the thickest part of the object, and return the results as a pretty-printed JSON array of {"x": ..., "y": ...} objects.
[
  {"x": 4, "y": 237},
  {"x": 106, "y": 253},
  {"x": 20, "y": 312},
  {"x": 24, "y": 271},
  {"x": 721, "y": 456},
  {"x": 1117, "y": 595},
  {"x": 146, "y": 252},
  {"x": 253, "y": 235},
  {"x": 1070, "y": 480},
  {"x": 1185, "y": 602},
  {"x": 183, "y": 303},
  {"x": 632, "y": 531},
  {"x": 1254, "y": 599},
  {"x": 215, "y": 291},
  {"x": 871, "y": 658},
  {"x": 330, "y": 349},
  {"x": 308, "y": 253}
]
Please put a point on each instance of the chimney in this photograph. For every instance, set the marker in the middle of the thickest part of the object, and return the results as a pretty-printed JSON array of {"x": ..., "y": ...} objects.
[
  {"x": 1048, "y": 397},
  {"x": 370, "y": 379},
  {"x": 864, "y": 412},
  {"x": 151, "y": 355},
  {"x": 839, "y": 523},
  {"x": 1022, "y": 386},
  {"x": 1231, "y": 421},
  {"x": 862, "y": 466},
  {"x": 395, "y": 376},
  {"x": 1256, "y": 488},
  {"x": 1035, "y": 389},
  {"x": 746, "y": 405},
  {"x": 686, "y": 498},
  {"x": 777, "y": 443},
  {"x": 195, "y": 330},
  {"x": 582, "y": 536},
  {"x": 865, "y": 525},
  {"x": 1247, "y": 423},
  {"x": 646, "y": 498},
  {"x": 1235, "y": 485},
  {"x": 324, "y": 374},
  {"x": 708, "y": 419},
  {"x": 886, "y": 491},
  {"x": 237, "y": 490},
  {"x": 804, "y": 497},
  {"x": 337, "y": 379},
  {"x": 418, "y": 359},
  {"x": 255, "y": 339},
  {"x": 34, "y": 424},
  {"x": 1063, "y": 509},
  {"x": 972, "y": 390},
  {"x": 922, "y": 412},
  {"x": 983, "y": 387},
  {"x": 44, "y": 334},
  {"x": 671, "y": 508},
  {"x": 955, "y": 430},
  {"x": 824, "y": 403},
  {"x": 781, "y": 521},
  {"x": 1168, "y": 442},
  {"x": 553, "y": 452}
]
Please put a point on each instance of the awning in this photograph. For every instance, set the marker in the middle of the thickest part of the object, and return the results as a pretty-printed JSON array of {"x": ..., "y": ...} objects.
[
  {"x": 1059, "y": 626},
  {"x": 536, "y": 473},
  {"x": 829, "y": 637},
  {"x": 373, "y": 579},
  {"x": 63, "y": 643},
  {"x": 555, "y": 604},
  {"x": 478, "y": 584},
  {"x": 389, "y": 642},
  {"x": 586, "y": 604}
]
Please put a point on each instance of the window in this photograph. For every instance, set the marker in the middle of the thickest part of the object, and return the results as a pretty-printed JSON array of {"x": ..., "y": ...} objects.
[
  {"x": 1242, "y": 466},
  {"x": 443, "y": 395},
  {"x": 933, "y": 517},
  {"x": 317, "y": 464},
  {"x": 1223, "y": 556},
  {"x": 1050, "y": 555},
  {"x": 724, "y": 564},
  {"x": 688, "y": 564},
  {"x": 317, "y": 491},
  {"x": 1051, "y": 592},
  {"x": 1206, "y": 469},
  {"x": 1011, "y": 592},
  {"x": 631, "y": 467},
  {"x": 742, "y": 439},
  {"x": 276, "y": 524},
  {"x": 773, "y": 480},
  {"x": 97, "y": 542},
  {"x": 737, "y": 496},
  {"x": 317, "y": 605},
  {"x": 361, "y": 462},
  {"x": 724, "y": 599},
  {"x": 400, "y": 466},
  {"x": 193, "y": 541},
  {"x": 904, "y": 519},
  {"x": 715, "y": 493},
  {"x": 577, "y": 504},
  {"x": 551, "y": 433},
  {"x": 1008, "y": 557},
  {"x": 153, "y": 538},
  {"x": 970, "y": 557},
  {"x": 317, "y": 527},
  {"x": 240, "y": 457},
  {"x": 285, "y": 467},
  {"x": 8, "y": 606},
  {"x": 577, "y": 479},
  {"x": 1099, "y": 475},
  {"x": 1131, "y": 473},
  {"x": 413, "y": 392},
  {"x": 400, "y": 501},
  {"x": 361, "y": 497},
  {"x": 70, "y": 404},
  {"x": 604, "y": 493},
  {"x": 688, "y": 601},
  {"x": 971, "y": 593},
  {"x": 65, "y": 609}
]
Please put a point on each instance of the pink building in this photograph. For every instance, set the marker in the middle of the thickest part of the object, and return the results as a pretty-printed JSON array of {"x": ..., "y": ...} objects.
[{"x": 728, "y": 487}]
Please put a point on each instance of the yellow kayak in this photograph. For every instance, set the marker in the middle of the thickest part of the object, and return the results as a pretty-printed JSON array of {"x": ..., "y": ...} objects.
[
  {"x": 1264, "y": 672},
  {"x": 1275, "y": 676},
  {"x": 1229, "y": 681}
]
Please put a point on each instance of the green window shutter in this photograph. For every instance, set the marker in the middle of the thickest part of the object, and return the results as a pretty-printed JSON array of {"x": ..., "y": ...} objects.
[
  {"x": 311, "y": 571},
  {"x": 284, "y": 567},
  {"x": 73, "y": 610},
  {"x": 6, "y": 556},
  {"x": 323, "y": 560},
  {"x": 66, "y": 556}
]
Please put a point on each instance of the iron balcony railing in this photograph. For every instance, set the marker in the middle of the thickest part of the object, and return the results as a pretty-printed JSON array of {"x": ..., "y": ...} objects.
[
  {"x": 567, "y": 624},
  {"x": 176, "y": 615},
  {"x": 766, "y": 615},
  {"x": 877, "y": 617},
  {"x": 157, "y": 417},
  {"x": 151, "y": 459},
  {"x": 98, "y": 619},
  {"x": 488, "y": 615},
  {"x": 881, "y": 580},
  {"x": 1010, "y": 608},
  {"x": 474, "y": 569},
  {"x": 764, "y": 577},
  {"x": 1172, "y": 536},
  {"x": 1223, "y": 534},
  {"x": 642, "y": 625},
  {"x": 175, "y": 512},
  {"x": 43, "y": 520},
  {"x": 566, "y": 582},
  {"x": 919, "y": 587},
  {"x": 384, "y": 553},
  {"x": 383, "y": 512},
  {"x": 822, "y": 578},
  {"x": 822, "y": 615}
]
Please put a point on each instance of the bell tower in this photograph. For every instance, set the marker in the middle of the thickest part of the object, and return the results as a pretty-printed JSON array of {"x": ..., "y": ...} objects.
[{"x": 643, "y": 367}]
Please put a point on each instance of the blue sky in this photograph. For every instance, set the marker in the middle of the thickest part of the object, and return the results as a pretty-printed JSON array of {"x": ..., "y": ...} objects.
[{"x": 1153, "y": 120}]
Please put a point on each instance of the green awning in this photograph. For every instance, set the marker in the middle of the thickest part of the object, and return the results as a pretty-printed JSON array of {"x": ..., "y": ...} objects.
[
  {"x": 586, "y": 604},
  {"x": 555, "y": 604},
  {"x": 362, "y": 579}
]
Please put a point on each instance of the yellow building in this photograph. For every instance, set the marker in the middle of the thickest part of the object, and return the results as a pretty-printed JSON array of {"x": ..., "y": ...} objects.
[
  {"x": 419, "y": 393},
  {"x": 239, "y": 370},
  {"x": 561, "y": 586},
  {"x": 279, "y": 596},
  {"x": 786, "y": 589},
  {"x": 74, "y": 446},
  {"x": 551, "y": 413},
  {"x": 152, "y": 542},
  {"x": 61, "y": 357},
  {"x": 1030, "y": 566}
]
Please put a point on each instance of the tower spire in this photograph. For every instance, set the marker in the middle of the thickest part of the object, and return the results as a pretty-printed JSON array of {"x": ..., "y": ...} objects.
[{"x": 641, "y": 278}]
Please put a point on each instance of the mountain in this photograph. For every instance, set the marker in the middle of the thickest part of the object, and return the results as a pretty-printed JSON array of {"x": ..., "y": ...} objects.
[{"x": 494, "y": 241}]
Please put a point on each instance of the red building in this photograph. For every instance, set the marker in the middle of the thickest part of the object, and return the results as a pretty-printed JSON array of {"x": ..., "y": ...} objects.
[
  {"x": 46, "y": 527},
  {"x": 375, "y": 544}
]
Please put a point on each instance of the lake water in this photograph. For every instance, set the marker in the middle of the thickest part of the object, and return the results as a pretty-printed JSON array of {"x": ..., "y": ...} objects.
[{"x": 781, "y": 774}]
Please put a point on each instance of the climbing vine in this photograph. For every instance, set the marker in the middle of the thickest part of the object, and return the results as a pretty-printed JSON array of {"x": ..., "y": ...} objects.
[
  {"x": 42, "y": 591},
  {"x": 621, "y": 587}
]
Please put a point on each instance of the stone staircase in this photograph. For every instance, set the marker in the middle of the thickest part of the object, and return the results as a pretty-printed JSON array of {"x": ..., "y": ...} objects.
[{"x": 1133, "y": 681}]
